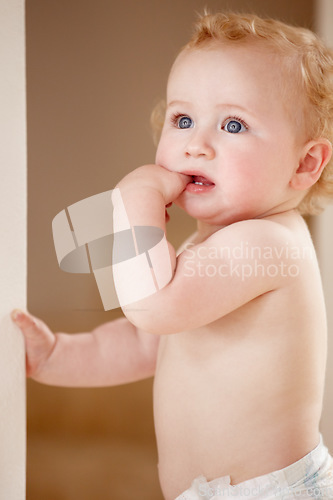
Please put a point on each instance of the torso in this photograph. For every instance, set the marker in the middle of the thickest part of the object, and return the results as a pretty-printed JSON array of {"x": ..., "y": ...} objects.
[{"x": 242, "y": 396}]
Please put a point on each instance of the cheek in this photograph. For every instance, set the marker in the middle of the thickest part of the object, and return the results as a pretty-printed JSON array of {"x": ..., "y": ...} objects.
[
  {"x": 243, "y": 165},
  {"x": 249, "y": 169},
  {"x": 164, "y": 153},
  {"x": 158, "y": 153}
]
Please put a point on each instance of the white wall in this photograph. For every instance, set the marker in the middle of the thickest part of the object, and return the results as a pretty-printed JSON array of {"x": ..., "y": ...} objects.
[
  {"x": 323, "y": 236},
  {"x": 13, "y": 216}
]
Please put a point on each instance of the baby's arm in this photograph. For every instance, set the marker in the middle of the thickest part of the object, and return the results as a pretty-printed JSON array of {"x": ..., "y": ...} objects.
[
  {"x": 208, "y": 281},
  {"x": 112, "y": 354}
]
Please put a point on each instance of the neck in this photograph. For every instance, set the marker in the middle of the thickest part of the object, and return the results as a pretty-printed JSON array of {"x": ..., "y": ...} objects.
[{"x": 205, "y": 230}]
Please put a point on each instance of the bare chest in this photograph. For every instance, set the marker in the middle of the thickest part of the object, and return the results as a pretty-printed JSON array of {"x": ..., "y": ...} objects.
[{"x": 210, "y": 386}]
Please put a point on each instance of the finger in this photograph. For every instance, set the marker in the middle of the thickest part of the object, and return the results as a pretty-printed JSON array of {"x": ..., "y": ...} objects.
[
  {"x": 24, "y": 321},
  {"x": 186, "y": 178}
]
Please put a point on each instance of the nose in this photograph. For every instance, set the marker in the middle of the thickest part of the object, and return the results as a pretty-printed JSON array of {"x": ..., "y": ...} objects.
[{"x": 199, "y": 145}]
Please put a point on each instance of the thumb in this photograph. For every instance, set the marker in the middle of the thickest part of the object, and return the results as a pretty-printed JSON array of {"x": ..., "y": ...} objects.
[{"x": 26, "y": 322}]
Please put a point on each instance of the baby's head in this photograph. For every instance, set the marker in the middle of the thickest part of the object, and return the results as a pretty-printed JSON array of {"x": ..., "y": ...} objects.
[{"x": 305, "y": 82}]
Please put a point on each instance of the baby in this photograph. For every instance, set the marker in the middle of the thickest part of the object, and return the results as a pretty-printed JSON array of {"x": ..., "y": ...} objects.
[{"x": 237, "y": 339}]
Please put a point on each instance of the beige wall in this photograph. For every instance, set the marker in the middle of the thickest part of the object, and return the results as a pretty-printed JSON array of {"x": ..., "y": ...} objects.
[
  {"x": 13, "y": 267},
  {"x": 324, "y": 242},
  {"x": 95, "y": 68}
]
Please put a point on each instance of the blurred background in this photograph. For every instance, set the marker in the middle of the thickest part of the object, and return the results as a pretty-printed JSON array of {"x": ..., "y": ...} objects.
[{"x": 95, "y": 69}]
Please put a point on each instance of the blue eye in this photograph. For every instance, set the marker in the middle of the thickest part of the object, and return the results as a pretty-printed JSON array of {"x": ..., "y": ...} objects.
[
  {"x": 234, "y": 127},
  {"x": 185, "y": 122}
]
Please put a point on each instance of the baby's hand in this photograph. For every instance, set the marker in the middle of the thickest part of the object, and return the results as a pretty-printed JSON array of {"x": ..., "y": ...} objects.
[
  {"x": 154, "y": 177},
  {"x": 39, "y": 340}
]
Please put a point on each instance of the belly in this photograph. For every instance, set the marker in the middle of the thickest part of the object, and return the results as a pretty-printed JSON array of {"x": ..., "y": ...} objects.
[{"x": 220, "y": 403}]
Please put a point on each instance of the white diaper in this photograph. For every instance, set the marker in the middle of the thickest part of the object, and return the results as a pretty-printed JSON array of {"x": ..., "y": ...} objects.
[{"x": 309, "y": 477}]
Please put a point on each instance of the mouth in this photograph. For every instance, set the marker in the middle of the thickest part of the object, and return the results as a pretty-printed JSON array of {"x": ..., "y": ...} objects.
[
  {"x": 199, "y": 180},
  {"x": 199, "y": 184}
]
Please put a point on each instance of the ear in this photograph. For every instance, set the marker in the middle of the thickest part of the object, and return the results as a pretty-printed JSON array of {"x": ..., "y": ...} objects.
[{"x": 315, "y": 156}]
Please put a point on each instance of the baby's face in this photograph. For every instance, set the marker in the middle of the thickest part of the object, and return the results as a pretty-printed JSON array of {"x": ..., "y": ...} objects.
[{"x": 227, "y": 125}]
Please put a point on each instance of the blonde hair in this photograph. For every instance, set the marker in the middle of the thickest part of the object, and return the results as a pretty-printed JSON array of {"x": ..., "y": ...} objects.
[{"x": 308, "y": 62}]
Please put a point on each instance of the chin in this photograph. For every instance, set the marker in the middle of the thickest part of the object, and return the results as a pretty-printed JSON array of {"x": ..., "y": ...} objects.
[{"x": 206, "y": 214}]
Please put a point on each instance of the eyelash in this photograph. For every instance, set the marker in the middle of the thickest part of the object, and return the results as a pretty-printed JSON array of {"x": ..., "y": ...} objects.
[{"x": 176, "y": 116}]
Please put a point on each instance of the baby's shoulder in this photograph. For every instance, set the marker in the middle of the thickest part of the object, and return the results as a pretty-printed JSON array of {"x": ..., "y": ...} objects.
[
  {"x": 260, "y": 232},
  {"x": 268, "y": 241}
]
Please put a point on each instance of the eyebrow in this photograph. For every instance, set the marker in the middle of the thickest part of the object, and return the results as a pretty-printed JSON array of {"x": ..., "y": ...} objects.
[
  {"x": 219, "y": 105},
  {"x": 177, "y": 103}
]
